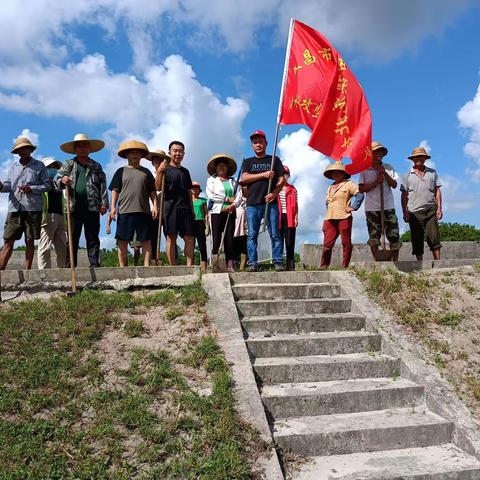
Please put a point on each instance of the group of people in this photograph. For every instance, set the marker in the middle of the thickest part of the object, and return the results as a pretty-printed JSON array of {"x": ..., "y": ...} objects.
[{"x": 143, "y": 203}]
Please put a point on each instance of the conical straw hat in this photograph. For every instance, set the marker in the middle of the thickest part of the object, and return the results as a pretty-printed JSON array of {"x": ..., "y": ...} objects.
[
  {"x": 95, "y": 145},
  {"x": 132, "y": 145},
  {"x": 335, "y": 167},
  {"x": 21, "y": 142}
]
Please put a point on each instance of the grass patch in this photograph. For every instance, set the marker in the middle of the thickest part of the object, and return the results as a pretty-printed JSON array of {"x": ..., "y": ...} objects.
[
  {"x": 174, "y": 312},
  {"x": 59, "y": 419}
]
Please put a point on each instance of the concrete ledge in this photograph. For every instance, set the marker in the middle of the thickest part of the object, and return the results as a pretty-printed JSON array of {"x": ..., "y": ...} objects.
[
  {"x": 223, "y": 314},
  {"x": 310, "y": 254},
  {"x": 414, "y": 265},
  {"x": 103, "y": 277},
  {"x": 440, "y": 395}
]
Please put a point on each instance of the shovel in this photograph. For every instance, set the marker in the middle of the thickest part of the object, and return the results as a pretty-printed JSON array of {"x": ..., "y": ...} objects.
[
  {"x": 73, "y": 276},
  {"x": 383, "y": 255},
  {"x": 219, "y": 263}
]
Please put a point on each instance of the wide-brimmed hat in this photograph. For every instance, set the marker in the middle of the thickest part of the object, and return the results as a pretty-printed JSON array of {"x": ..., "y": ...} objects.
[
  {"x": 197, "y": 184},
  {"x": 49, "y": 161},
  {"x": 95, "y": 145},
  {"x": 158, "y": 153},
  {"x": 419, "y": 152},
  {"x": 335, "y": 167},
  {"x": 224, "y": 157},
  {"x": 21, "y": 142},
  {"x": 378, "y": 146},
  {"x": 132, "y": 145}
]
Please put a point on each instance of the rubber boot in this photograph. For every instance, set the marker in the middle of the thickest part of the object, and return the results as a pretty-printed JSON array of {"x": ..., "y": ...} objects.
[{"x": 290, "y": 265}]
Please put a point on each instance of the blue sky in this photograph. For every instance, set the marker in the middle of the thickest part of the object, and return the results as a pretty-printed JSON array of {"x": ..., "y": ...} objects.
[{"x": 209, "y": 72}]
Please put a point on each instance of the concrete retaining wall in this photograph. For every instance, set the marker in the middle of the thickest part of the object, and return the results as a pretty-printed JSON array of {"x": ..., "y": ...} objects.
[{"x": 310, "y": 253}]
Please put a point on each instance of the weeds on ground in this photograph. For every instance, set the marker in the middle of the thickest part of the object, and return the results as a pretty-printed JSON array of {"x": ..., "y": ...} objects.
[{"x": 60, "y": 420}]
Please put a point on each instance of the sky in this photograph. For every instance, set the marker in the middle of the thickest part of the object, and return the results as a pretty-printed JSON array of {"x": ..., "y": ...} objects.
[{"x": 209, "y": 72}]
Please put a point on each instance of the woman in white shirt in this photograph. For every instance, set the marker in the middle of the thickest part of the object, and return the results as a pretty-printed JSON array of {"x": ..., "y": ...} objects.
[{"x": 221, "y": 192}]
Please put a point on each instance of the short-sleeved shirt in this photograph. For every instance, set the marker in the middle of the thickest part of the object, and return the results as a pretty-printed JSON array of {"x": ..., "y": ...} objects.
[
  {"x": 198, "y": 208},
  {"x": 257, "y": 191},
  {"x": 178, "y": 184},
  {"x": 420, "y": 190},
  {"x": 135, "y": 186},
  {"x": 338, "y": 198},
  {"x": 372, "y": 198}
]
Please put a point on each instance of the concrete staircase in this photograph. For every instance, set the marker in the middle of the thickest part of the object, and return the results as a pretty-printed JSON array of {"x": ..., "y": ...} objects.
[{"x": 329, "y": 391}]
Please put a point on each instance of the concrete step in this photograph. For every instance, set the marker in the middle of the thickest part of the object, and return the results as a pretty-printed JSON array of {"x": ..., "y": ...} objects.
[
  {"x": 344, "y": 396},
  {"x": 325, "y": 343},
  {"x": 443, "y": 462},
  {"x": 279, "y": 277},
  {"x": 279, "y": 291},
  {"x": 293, "y": 307},
  {"x": 362, "y": 432},
  {"x": 323, "y": 322},
  {"x": 324, "y": 367}
]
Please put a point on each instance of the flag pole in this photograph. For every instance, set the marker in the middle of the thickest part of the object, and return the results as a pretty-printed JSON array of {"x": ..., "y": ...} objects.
[{"x": 279, "y": 113}]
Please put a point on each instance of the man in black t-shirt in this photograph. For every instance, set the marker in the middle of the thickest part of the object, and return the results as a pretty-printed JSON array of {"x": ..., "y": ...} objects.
[
  {"x": 256, "y": 173},
  {"x": 178, "y": 209}
]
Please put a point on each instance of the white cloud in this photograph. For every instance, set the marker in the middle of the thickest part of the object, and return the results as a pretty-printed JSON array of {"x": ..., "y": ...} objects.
[
  {"x": 429, "y": 163},
  {"x": 469, "y": 118},
  {"x": 455, "y": 197},
  {"x": 32, "y": 136},
  {"x": 378, "y": 30},
  {"x": 306, "y": 167},
  {"x": 169, "y": 103}
]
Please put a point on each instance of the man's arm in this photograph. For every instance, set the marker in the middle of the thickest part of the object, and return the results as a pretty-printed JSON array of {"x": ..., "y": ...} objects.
[
  {"x": 253, "y": 177},
  {"x": 113, "y": 205},
  {"x": 273, "y": 195},
  {"x": 406, "y": 213},
  {"x": 438, "y": 198},
  {"x": 153, "y": 198},
  {"x": 43, "y": 184}
]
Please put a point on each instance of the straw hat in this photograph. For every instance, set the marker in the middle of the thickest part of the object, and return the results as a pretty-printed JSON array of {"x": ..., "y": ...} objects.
[
  {"x": 335, "y": 167},
  {"x": 158, "y": 153},
  {"x": 95, "y": 145},
  {"x": 51, "y": 162},
  {"x": 419, "y": 152},
  {"x": 132, "y": 145},
  {"x": 21, "y": 142},
  {"x": 378, "y": 146},
  {"x": 197, "y": 184},
  {"x": 224, "y": 157}
]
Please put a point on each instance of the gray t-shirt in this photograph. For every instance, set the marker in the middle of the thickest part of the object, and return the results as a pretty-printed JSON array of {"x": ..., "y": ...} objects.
[
  {"x": 134, "y": 186},
  {"x": 421, "y": 190}
]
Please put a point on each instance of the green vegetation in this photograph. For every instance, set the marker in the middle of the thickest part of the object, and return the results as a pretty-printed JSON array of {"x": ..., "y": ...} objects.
[
  {"x": 453, "y": 232},
  {"x": 109, "y": 258},
  {"x": 61, "y": 418}
]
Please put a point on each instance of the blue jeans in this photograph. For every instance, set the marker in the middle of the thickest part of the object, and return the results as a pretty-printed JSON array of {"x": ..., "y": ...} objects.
[{"x": 255, "y": 215}]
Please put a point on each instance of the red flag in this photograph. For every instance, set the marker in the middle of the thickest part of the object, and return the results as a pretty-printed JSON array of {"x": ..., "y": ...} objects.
[{"x": 321, "y": 92}]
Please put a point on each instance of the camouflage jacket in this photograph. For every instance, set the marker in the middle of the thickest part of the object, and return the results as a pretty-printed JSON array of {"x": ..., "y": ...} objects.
[{"x": 96, "y": 183}]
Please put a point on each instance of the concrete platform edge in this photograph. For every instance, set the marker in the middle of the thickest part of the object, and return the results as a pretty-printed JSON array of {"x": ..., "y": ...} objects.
[{"x": 222, "y": 312}]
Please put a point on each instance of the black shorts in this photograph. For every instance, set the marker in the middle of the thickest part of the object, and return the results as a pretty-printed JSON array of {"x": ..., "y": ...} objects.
[
  {"x": 19, "y": 223},
  {"x": 130, "y": 225},
  {"x": 178, "y": 221}
]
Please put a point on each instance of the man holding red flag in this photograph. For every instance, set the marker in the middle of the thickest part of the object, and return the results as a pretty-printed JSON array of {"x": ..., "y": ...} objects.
[{"x": 320, "y": 91}]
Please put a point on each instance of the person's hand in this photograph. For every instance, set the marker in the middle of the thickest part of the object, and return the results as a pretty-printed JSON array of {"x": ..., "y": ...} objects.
[
  {"x": 66, "y": 180},
  {"x": 349, "y": 210},
  {"x": 162, "y": 167},
  {"x": 103, "y": 210},
  {"x": 25, "y": 189},
  {"x": 380, "y": 178},
  {"x": 230, "y": 208},
  {"x": 207, "y": 231},
  {"x": 268, "y": 175},
  {"x": 230, "y": 199},
  {"x": 154, "y": 212},
  {"x": 406, "y": 216},
  {"x": 108, "y": 230},
  {"x": 113, "y": 214},
  {"x": 296, "y": 222},
  {"x": 270, "y": 197},
  {"x": 381, "y": 169},
  {"x": 439, "y": 214}
]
